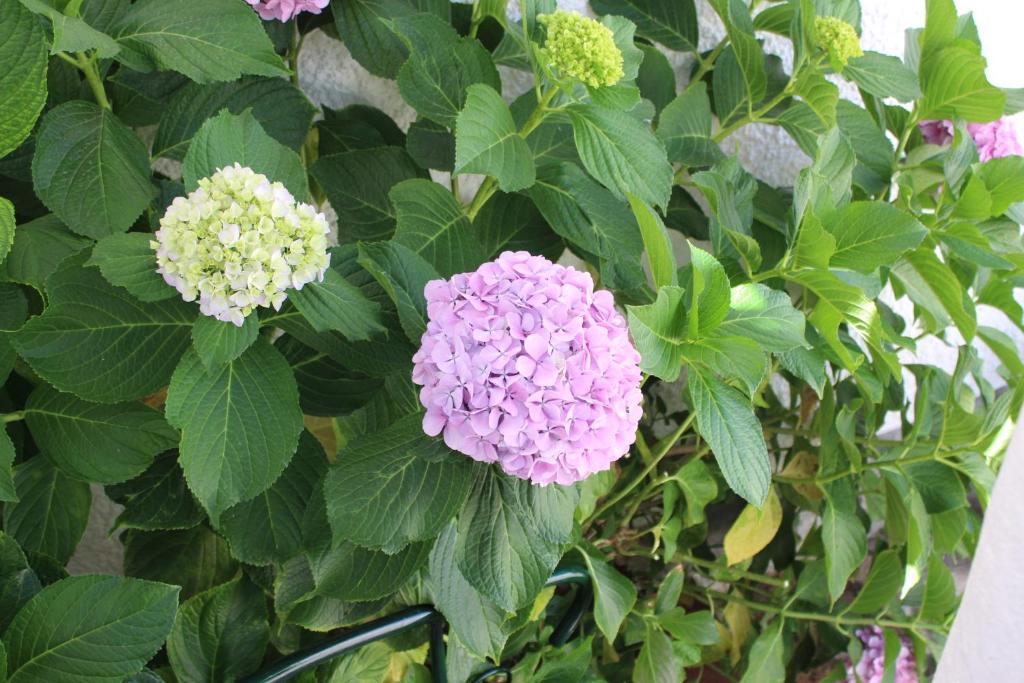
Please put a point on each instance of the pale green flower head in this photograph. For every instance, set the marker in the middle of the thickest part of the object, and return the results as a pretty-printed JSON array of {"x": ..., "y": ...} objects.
[
  {"x": 838, "y": 38},
  {"x": 583, "y": 49},
  {"x": 240, "y": 241}
]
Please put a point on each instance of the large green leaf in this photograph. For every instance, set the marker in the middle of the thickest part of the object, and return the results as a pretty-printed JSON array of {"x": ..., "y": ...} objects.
[
  {"x": 622, "y": 153},
  {"x": 88, "y": 629},
  {"x": 229, "y": 138},
  {"x": 6, "y": 227},
  {"x": 239, "y": 424},
  {"x": 511, "y": 222},
  {"x": 725, "y": 418},
  {"x": 98, "y": 342},
  {"x": 749, "y": 56},
  {"x": 765, "y": 316},
  {"x": 72, "y": 33},
  {"x": 280, "y": 107},
  {"x": 432, "y": 224},
  {"x": 656, "y": 243},
  {"x": 500, "y": 548},
  {"x": 18, "y": 583},
  {"x": 357, "y": 185},
  {"x": 7, "y": 453},
  {"x": 396, "y": 486},
  {"x": 207, "y": 40},
  {"x": 659, "y": 331},
  {"x": 614, "y": 594},
  {"x": 195, "y": 559},
  {"x": 673, "y": 23},
  {"x": 336, "y": 304},
  {"x": 684, "y": 127},
  {"x": 90, "y": 169},
  {"x": 767, "y": 663},
  {"x": 52, "y": 510},
  {"x": 357, "y": 126},
  {"x": 441, "y": 67},
  {"x": 487, "y": 142},
  {"x": 268, "y": 528},
  {"x": 348, "y": 572},
  {"x": 656, "y": 662},
  {"x": 883, "y": 76},
  {"x": 403, "y": 274},
  {"x": 127, "y": 260},
  {"x": 954, "y": 85},
  {"x": 96, "y": 442},
  {"x": 218, "y": 342},
  {"x": 158, "y": 499},
  {"x": 934, "y": 288},
  {"x": 220, "y": 635},
  {"x": 363, "y": 26},
  {"x": 22, "y": 75},
  {"x": 843, "y": 538},
  {"x": 872, "y": 234},
  {"x": 882, "y": 584},
  {"x": 39, "y": 247}
]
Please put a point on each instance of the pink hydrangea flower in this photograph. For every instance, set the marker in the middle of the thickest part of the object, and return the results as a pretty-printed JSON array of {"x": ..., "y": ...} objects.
[
  {"x": 871, "y": 667},
  {"x": 995, "y": 139},
  {"x": 525, "y": 365},
  {"x": 284, "y": 10}
]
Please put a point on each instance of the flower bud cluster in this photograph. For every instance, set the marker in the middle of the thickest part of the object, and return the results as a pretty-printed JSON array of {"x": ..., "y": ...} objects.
[{"x": 581, "y": 48}]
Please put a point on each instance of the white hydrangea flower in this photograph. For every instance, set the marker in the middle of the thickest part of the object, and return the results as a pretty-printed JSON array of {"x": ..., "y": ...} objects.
[{"x": 240, "y": 241}]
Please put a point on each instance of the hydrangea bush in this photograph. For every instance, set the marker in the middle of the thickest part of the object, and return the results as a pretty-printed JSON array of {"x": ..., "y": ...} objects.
[{"x": 329, "y": 367}]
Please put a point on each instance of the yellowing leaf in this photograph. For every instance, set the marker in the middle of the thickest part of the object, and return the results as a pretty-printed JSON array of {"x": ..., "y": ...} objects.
[
  {"x": 801, "y": 466},
  {"x": 753, "y": 529},
  {"x": 737, "y": 618}
]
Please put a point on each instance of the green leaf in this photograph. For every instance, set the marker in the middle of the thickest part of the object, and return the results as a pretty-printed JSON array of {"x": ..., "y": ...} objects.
[
  {"x": 1004, "y": 180},
  {"x": 357, "y": 185},
  {"x": 487, "y": 142},
  {"x": 195, "y": 559},
  {"x": 357, "y": 126},
  {"x": 882, "y": 584},
  {"x": 23, "y": 61},
  {"x": 819, "y": 94},
  {"x": 7, "y": 490},
  {"x": 364, "y": 28},
  {"x": 220, "y": 635},
  {"x": 725, "y": 418},
  {"x": 932, "y": 285},
  {"x": 348, "y": 572},
  {"x": 657, "y": 78},
  {"x": 673, "y": 23},
  {"x": 955, "y": 87},
  {"x": 431, "y": 145},
  {"x": 98, "y": 342},
  {"x": 708, "y": 286},
  {"x": 478, "y": 623},
  {"x": 127, "y": 260},
  {"x": 89, "y": 629},
  {"x": 157, "y": 499},
  {"x": 820, "y": 189},
  {"x": 268, "y": 528},
  {"x": 90, "y": 169},
  {"x": 18, "y": 583},
  {"x": 500, "y": 549},
  {"x": 753, "y": 530},
  {"x": 281, "y": 109},
  {"x": 656, "y": 661},
  {"x": 511, "y": 222},
  {"x": 39, "y": 247},
  {"x": 72, "y": 34},
  {"x": 431, "y": 223},
  {"x": 939, "y": 485},
  {"x": 735, "y": 359},
  {"x": 218, "y": 343},
  {"x": 844, "y": 540},
  {"x": 765, "y": 316},
  {"x": 659, "y": 331},
  {"x": 368, "y": 664},
  {"x": 872, "y": 148},
  {"x": 939, "y": 592},
  {"x": 239, "y": 424},
  {"x": 614, "y": 594},
  {"x": 749, "y": 56},
  {"x": 96, "y": 442},
  {"x": 229, "y": 138},
  {"x": 6, "y": 228},
  {"x": 403, "y": 275},
  {"x": 883, "y": 76},
  {"x": 441, "y": 67},
  {"x": 207, "y": 40},
  {"x": 684, "y": 127},
  {"x": 872, "y": 234},
  {"x": 699, "y": 488},
  {"x": 656, "y": 243},
  {"x": 767, "y": 663},
  {"x": 393, "y": 487},
  {"x": 50, "y": 515},
  {"x": 621, "y": 153},
  {"x": 699, "y": 628},
  {"x": 336, "y": 304}
]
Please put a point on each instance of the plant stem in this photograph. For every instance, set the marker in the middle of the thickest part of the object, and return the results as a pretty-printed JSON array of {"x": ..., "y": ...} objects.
[
  {"x": 92, "y": 75},
  {"x": 14, "y": 417},
  {"x": 851, "y": 471},
  {"x": 752, "y": 576},
  {"x": 706, "y": 64},
  {"x": 753, "y": 116}
]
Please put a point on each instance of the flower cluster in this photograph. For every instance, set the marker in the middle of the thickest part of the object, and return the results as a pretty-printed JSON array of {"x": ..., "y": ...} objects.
[
  {"x": 239, "y": 241},
  {"x": 838, "y": 38},
  {"x": 995, "y": 139},
  {"x": 285, "y": 10},
  {"x": 581, "y": 48},
  {"x": 524, "y": 364},
  {"x": 871, "y": 667}
]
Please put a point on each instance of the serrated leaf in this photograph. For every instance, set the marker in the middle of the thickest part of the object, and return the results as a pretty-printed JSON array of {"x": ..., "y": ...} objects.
[
  {"x": 127, "y": 260},
  {"x": 363, "y": 26},
  {"x": 39, "y": 247},
  {"x": 932, "y": 286},
  {"x": 218, "y": 342},
  {"x": 684, "y": 127},
  {"x": 845, "y": 543},
  {"x": 673, "y": 23},
  {"x": 90, "y": 169},
  {"x": 71, "y": 33},
  {"x": 6, "y": 228},
  {"x": 357, "y": 126},
  {"x": 23, "y": 62},
  {"x": 220, "y": 635},
  {"x": 883, "y": 76},
  {"x": 749, "y": 56},
  {"x": 432, "y": 224},
  {"x": 765, "y": 316},
  {"x": 487, "y": 142},
  {"x": 872, "y": 234},
  {"x": 735, "y": 359},
  {"x": 511, "y": 222},
  {"x": 7, "y": 490},
  {"x": 239, "y": 424},
  {"x": 621, "y": 153},
  {"x": 89, "y": 629},
  {"x": 431, "y": 145},
  {"x": 656, "y": 243},
  {"x": 882, "y": 584},
  {"x": 336, "y": 304},
  {"x": 753, "y": 530},
  {"x": 614, "y": 594},
  {"x": 195, "y": 559},
  {"x": 52, "y": 510},
  {"x": 726, "y": 420},
  {"x": 18, "y": 583},
  {"x": 98, "y": 342},
  {"x": 939, "y": 485},
  {"x": 96, "y": 442},
  {"x": 939, "y": 592},
  {"x": 954, "y": 85},
  {"x": 158, "y": 499},
  {"x": 229, "y": 138},
  {"x": 348, "y": 572},
  {"x": 1004, "y": 180},
  {"x": 656, "y": 662},
  {"x": 403, "y": 274},
  {"x": 659, "y": 331},
  {"x": 207, "y": 40}
]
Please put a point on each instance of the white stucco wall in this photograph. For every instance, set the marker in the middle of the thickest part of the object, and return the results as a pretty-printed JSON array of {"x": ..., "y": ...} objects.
[{"x": 982, "y": 645}]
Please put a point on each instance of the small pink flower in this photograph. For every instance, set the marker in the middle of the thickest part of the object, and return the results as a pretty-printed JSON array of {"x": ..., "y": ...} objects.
[
  {"x": 995, "y": 139},
  {"x": 871, "y": 667},
  {"x": 284, "y": 10},
  {"x": 937, "y": 132},
  {"x": 524, "y": 364}
]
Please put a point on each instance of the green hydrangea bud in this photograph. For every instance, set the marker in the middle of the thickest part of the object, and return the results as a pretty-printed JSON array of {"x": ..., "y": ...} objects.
[
  {"x": 579, "y": 47},
  {"x": 838, "y": 38}
]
